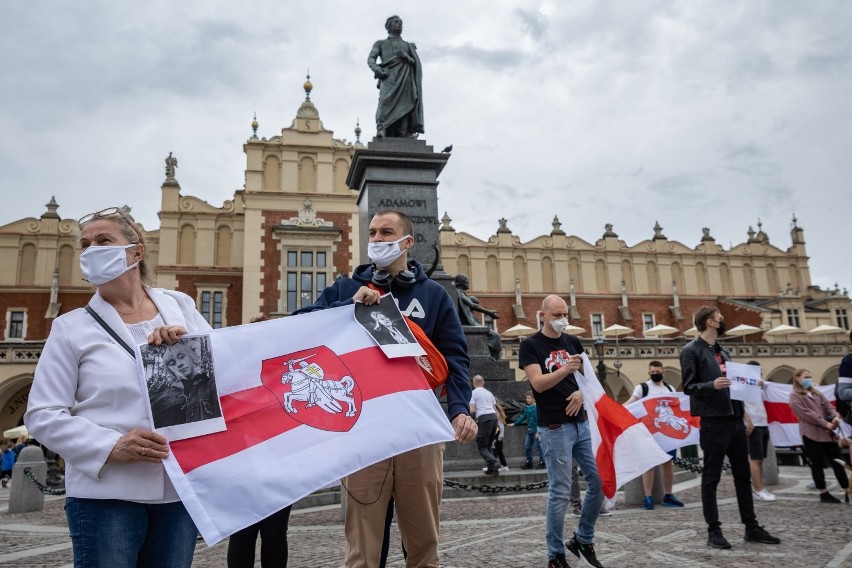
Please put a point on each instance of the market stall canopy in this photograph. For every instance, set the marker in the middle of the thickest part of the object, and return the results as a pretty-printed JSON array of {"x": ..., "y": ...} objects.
[
  {"x": 742, "y": 329},
  {"x": 660, "y": 329},
  {"x": 783, "y": 329},
  {"x": 826, "y": 330},
  {"x": 17, "y": 432},
  {"x": 692, "y": 332},
  {"x": 574, "y": 330},
  {"x": 616, "y": 331},
  {"x": 519, "y": 330}
]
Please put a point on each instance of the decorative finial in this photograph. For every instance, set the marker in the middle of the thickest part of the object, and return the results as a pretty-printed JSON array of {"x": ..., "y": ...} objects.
[
  {"x": 705, "y": 235},
  {"x": 750, "y": 232},
  {"x": 795, "y": 221},
  {"x": 254, "y": 126},
  {"x": 658, "y": 232},
  {"x": 445, "y": 223},
  {"x": 52, "y": 206},
  {"x": 308, "y": 87},
  {"x": 503, "y": 228},
  {"x": 608, "y": 232},
  {"x": 358, "y": 131},
  {"x": 557, "y": 227},
  {"x": 759, "y": 225}
]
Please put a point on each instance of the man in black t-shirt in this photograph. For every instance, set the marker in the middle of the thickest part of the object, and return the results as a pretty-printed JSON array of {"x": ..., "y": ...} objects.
[{"x": 550, "y": 358}]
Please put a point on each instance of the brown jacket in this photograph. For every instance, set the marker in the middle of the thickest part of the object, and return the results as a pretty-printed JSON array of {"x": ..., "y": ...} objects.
[{"x": 813, "y": 411}]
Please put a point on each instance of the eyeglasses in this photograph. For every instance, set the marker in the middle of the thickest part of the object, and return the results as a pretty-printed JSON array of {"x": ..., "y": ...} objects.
[{"x": 108, "y": 212}]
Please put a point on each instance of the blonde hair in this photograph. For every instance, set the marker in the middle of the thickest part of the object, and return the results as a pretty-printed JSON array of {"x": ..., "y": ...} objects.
[
  {"x": 798, "y": 387},
  {"x": 127, "y": 227},
  {"x": 501, "y": 413}
]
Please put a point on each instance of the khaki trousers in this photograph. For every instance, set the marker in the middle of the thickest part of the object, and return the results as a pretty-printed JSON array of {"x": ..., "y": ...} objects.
[{"x": 415, "y": 479}]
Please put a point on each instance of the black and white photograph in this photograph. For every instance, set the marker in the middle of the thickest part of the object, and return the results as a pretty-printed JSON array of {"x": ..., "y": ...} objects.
[
  {"x": 181, "y": 385},
  {"x": 387, "y": 327}
]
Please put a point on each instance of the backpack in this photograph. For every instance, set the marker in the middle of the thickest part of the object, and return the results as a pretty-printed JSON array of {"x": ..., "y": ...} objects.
[{"x": 645, "y": 388}]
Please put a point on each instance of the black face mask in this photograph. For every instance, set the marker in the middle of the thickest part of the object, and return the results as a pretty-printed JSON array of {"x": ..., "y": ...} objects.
[
  {"x": 722, "y": 328},
  {"x": 656, "y": 377}
]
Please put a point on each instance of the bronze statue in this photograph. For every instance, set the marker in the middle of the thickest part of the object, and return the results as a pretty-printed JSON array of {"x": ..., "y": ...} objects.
[
  {"x": 171, "y": 164},
  {"x": 470, "y": 304},
  {"x": 399, "y": 75}
]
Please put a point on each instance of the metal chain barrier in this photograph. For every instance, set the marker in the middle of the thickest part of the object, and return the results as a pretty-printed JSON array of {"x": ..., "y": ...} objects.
[
  {"x": 485, "y": 488},
  {"x": 42, "y": 487},
  {"x": 694, "y": 466}
]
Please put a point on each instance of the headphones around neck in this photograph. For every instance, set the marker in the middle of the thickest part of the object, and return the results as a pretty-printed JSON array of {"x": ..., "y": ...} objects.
[{"x": 383, "y": 279}]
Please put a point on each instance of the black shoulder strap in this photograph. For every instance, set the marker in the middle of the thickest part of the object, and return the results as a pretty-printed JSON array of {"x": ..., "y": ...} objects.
[
  {"x": 644, "y": 389},
  {"x": 671, "y": 388},
  {"x": 110, "y": 331}
]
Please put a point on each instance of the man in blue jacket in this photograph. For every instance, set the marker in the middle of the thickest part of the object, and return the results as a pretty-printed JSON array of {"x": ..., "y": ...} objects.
[{"x": 414, "y": 479}]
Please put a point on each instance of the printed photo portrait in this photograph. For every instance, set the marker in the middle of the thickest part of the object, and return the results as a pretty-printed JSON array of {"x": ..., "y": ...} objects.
[
  {"x": 181, "y": 385},
  {"x": 386, "y": 326}
]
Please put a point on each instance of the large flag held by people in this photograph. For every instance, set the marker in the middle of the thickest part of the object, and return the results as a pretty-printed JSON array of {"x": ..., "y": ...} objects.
[
  {"x": 668, "y": 419},
  {"x": 783, "y": 424},
  {"x": 624, "y": 448},
  {"x": 307, "y": 400}
]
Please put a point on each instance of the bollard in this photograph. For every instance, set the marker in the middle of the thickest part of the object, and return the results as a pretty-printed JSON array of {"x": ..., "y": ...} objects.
[
  {"x": 634, "y": 491},
  {"x": 25, "y": 496},
  {"x": 770, "y": 466}
]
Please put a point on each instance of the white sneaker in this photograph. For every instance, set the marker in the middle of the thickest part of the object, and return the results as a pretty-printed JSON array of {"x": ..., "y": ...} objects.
[
  {"x": 484, "y": 469},
  {"x": 763, "y": 495},
  {"x": 504, "y": 468}
]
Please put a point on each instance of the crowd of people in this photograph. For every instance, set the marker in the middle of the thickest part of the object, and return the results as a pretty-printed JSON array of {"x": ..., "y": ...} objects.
[{"x": 87, "y": 404}]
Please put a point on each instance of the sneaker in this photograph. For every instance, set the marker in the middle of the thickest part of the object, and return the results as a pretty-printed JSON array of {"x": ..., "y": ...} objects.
[
  {"x": 759, "y": 534},
  {"x": 528, "y": 465},
  {"x": 485, "y": 469},
  {"x": 716, "y": 540},
  {"x": 605, "y": 513},
  {"x": 541, "y": 465},
  {"x": 672, "y": 501},
  {"x": 558, "y": 561},
  {"x": 584, "y": 551},
  {"x": 649, "y": 503},
  {"x": 763, "y": 495},
  {"x": 575, "y": 512},
  {"x": 495, "y": 472},
  {"x": 504, "y": 468},
  {"x": 828, "y": 498},
  {"x": 810, "y": 485}
]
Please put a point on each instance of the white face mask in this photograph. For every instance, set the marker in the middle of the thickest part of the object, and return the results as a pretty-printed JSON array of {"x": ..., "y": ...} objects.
[
  {"x": 102, "y": 264},
  {"x": 383, "y": 254},
  {"x": 559, "y": 325}
]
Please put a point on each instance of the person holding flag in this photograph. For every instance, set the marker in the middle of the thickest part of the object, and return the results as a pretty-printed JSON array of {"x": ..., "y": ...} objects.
[
  {"x": 723, "y": 431},
  {"x": 415, "y": 478},
  {"x": 550, "y": 358}
]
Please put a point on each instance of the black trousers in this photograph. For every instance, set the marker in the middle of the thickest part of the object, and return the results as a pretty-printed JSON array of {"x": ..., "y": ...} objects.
[
  {"x": 487, "y": 425},
  {"x": 720, "y": 437},
  {"x": 273, "y": 542},
  {"x": 822, "y": 454}
]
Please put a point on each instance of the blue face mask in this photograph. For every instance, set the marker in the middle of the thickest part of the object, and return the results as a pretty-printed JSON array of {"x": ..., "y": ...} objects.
[{"x": 807, "y": 383}]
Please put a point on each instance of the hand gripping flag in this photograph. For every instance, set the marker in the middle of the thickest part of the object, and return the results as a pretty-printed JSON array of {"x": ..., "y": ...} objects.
[
  {"x": 307, "y": 400},
  {"x": 624, "y": 448},
  {"x": 668, "y": 419}
]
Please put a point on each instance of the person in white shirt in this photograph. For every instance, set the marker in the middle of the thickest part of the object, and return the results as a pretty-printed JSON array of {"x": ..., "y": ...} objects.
[
  {"x": 482, "y": 406},
  {"x": 757, "y": 430},
  {"x": 656, "y": 385}
]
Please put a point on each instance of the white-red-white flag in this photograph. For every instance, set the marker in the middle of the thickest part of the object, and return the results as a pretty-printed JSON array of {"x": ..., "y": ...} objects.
[
  {"x": 624, "y": 448},
  {"x": 783, "y": 424},
  {"x": 667, "y": 417},
  {"x": 307, "y": 400}
]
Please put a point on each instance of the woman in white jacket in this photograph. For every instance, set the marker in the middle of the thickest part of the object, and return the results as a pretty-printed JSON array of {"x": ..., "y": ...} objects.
[{"x": 88, "y": 404}]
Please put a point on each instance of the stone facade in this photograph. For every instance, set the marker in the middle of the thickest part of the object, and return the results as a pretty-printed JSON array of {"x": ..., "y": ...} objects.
[{"x": 295, "y": 226}]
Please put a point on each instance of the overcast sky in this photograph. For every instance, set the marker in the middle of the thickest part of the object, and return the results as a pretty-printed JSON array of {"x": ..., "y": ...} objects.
[{"x": 694, "y": 114}]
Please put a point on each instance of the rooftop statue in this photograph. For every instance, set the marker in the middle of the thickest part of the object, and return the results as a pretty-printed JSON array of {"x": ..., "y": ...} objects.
[{"x": 399, "y": 75}]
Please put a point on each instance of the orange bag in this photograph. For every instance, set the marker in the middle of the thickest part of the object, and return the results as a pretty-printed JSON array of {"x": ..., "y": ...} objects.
[{"x": 432, "y": 364}]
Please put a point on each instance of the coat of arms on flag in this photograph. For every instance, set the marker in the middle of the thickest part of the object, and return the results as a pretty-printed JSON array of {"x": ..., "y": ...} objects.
[
  {"x": 664, "y": 415},
  {"x": 314, "y": 387}
]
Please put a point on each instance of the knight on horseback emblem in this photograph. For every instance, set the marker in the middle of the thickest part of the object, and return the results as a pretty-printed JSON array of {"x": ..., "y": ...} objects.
[{"x": 308, "y": 384}]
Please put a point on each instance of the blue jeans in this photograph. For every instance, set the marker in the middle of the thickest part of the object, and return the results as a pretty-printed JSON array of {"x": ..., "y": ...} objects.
[
  {"x": 528, "y": 444},
  {"x": 571, "y": 442},
  {"x": 111, "y": 533}
]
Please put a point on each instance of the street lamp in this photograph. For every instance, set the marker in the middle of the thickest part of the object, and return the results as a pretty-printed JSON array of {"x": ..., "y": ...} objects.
[{"x": 600, "y": 344}]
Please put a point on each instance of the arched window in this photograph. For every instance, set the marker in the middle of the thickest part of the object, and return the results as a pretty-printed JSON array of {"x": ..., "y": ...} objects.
[
  {"x": 627, "y": 275},
  {"x": 794, "y": 277},
  {"x": 66, "y": 264},
  {"x": 520, "y": 267},
  {"x": 548, "y": 281},
  {"x": 701, "y": 278},
  {"x": 748, "y": 276},
  {"x": 27, "y": 264},
  {"x": 677, "y": 277},
  {"x": 772, "y": 278},
  {"x": 307, "y": 175},
  {"x": 186, "y": 245},
  {"x": 223, "y": 246},
  {"x": 574, "y": 272},
  {"x": 271, "y": 174},
  {"x": 600, "y": 276},
  {"x": 341, "y": 169},
  {"x": 492, "y": 271},
  {"x": 463, "y": 264},
  {"x": 653, "y": 277},
  {"x": 727, "y": 283}
]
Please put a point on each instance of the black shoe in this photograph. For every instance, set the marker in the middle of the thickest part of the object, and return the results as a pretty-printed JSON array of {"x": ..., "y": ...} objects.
[
  {"x": 716, "y": 540},
  {"x": 583, "y": 551},
  {"x": 541, "y": 465},
  {"x": 558, "y": 562},
  {"x": 528, "y": 465},
  {"x": 759, "y": 534},
  {"x": 492, "y": 471},
  {"x": 828, "y": 498}
]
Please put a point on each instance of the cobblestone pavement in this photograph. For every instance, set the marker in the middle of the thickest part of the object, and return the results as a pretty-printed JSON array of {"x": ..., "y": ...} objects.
[{"x": 508, "y": 531}]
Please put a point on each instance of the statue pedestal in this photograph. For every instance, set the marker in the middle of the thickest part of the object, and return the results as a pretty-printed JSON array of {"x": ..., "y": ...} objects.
[{"x": 401, "y": 174}]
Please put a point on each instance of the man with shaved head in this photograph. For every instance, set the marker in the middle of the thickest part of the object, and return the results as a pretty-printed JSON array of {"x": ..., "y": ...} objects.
[{"x": 550, "y": 358}]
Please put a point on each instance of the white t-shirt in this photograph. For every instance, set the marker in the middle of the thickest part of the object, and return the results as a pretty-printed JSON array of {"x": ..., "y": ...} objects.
[
  {"x": 483, "y": 400},
  {"x": 653, "y": 388},
  {"x": 757, "y": 412}
]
